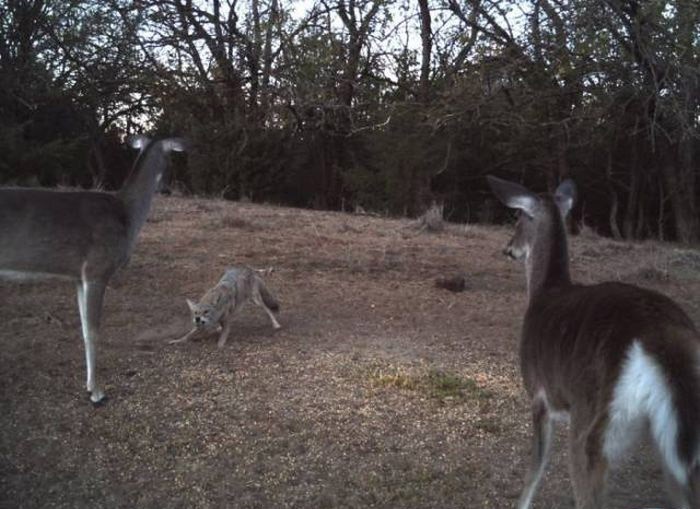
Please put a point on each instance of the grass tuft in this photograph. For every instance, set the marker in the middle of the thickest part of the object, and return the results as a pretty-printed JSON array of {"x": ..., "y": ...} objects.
[
  {"x": 438, "y": 384},
  {"x": 394, "y": 378},
  {"x": 445, "y": 385},
  {"x": 230, "y": 221},
  {"x": 233, "y": 221}
]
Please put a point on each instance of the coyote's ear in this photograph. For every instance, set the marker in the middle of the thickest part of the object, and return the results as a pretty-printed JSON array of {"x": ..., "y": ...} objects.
[
  {"x": 513, "y": 195},
  {"x": 191, "y": 305}
]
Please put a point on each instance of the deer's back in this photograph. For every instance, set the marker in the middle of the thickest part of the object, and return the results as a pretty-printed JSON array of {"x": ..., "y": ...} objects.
[
  {"x": 575, "y": 339},
  {"x": 56, "y": 233}
]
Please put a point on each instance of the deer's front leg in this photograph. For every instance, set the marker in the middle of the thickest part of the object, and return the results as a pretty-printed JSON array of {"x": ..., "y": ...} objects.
[{"x": 90, "y": 299}]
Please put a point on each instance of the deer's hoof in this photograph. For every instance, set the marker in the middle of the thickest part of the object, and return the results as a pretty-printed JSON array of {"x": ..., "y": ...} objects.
[{"x": 98, "y": 398}]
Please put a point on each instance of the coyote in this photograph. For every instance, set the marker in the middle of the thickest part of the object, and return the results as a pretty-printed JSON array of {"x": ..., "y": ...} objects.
[{"x": 237, "y": 286}]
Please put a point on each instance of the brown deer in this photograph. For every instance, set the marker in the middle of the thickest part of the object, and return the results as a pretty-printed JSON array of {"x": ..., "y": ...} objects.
[
  {"x": 81, "y": 236},
  {"x": 616, "y": 360}
]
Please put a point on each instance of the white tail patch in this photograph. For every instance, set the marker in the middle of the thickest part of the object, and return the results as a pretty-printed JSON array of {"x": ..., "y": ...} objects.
[{"x": 642, "y": 395}]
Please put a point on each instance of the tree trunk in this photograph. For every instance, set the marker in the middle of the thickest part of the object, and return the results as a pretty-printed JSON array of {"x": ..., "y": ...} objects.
[
  {"x": 426, "y": 37},
  {"x": 680, "y": 187},
  {"x": 629, "y": 221},
  {"x": 614, "y": 200}
]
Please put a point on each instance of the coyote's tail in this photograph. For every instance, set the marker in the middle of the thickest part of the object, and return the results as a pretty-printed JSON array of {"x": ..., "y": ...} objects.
[{"x": 267, "y": 297}]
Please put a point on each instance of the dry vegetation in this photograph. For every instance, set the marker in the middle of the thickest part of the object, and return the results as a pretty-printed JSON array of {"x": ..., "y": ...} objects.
[{"x": 381, "y": 389}]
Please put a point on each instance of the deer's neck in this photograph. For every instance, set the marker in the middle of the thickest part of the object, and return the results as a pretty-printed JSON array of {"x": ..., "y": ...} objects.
[
  {"x": 548, "y": 262},
  {"x": 139, "y": 188}
]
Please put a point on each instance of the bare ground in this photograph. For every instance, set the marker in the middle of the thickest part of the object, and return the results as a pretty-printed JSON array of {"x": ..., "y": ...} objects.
[{"x": 381, "y": 390}]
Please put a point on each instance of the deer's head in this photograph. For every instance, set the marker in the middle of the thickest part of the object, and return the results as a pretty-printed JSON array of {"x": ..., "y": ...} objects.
[{"x": 536, "y": 215}]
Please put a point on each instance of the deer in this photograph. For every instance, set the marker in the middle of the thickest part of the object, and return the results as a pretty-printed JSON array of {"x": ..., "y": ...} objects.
[
  {"x": 81, "y": 236},
  {"x": 619, "y": 362}
]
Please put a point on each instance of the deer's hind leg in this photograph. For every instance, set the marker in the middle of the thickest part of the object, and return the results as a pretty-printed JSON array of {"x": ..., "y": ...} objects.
[
  {"x": 683, "y": 494},
  {"x": 678, "y": 494},
  {"x": 693, "y": 488},
  {"x": 541, "y": 445},
  {"x": 589, "y": 464}
]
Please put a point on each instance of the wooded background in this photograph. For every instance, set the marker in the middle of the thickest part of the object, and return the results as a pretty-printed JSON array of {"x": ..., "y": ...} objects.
[{"x": 388, "y": 105}]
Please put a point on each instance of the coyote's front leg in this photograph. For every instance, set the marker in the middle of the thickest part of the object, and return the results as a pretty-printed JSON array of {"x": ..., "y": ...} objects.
[
  {"x": 224, "y": 334},
  {"x": 186, "y": 337}
]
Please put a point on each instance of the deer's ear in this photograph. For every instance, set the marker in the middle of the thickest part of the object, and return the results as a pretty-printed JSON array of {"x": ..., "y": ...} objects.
[
  {"x": 191, "y": 305},
  {"x": 513, "y": 195},
  {"x": 174, "y": 144},
  {"x": 565, "y": 196},
  {"x": 138, "y": 141}
]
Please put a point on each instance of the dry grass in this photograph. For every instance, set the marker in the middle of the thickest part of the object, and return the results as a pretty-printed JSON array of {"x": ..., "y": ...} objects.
[
  {"x": 396, "y": 378},
  {"x": 230, "y": 219},
  {"x": 380, "y": 390},
  {"x": 431, "y": 381}
]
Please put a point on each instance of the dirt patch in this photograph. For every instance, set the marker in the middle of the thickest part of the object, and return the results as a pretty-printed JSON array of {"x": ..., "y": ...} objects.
[{"x": 380, "y": 390}]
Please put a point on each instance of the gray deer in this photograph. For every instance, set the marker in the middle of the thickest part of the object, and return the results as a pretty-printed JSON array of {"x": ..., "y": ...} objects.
[
  {"x": 614, "y": 359},
  {"x": 82, "y": 236}
]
